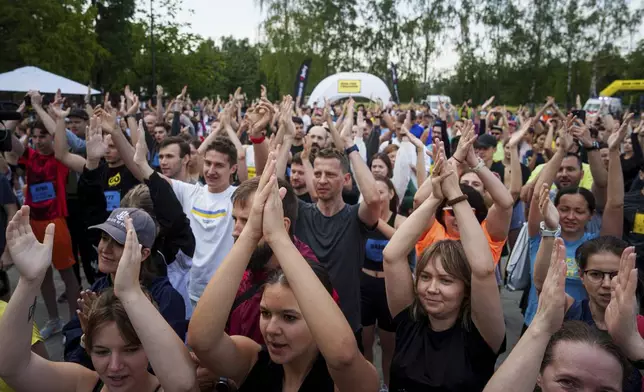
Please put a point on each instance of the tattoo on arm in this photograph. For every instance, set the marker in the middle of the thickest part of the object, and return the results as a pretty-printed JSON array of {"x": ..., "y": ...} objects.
[{"x": 32, "y": 310}]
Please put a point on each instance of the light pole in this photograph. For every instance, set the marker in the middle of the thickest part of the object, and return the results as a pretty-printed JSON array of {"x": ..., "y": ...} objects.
[{"x": 154, "y": 82}]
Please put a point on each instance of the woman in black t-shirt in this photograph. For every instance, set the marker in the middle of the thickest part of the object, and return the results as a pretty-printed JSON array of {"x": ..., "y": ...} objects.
[
  {"x": 309, "y": 343},
  {"x": 450, "y": 327}
]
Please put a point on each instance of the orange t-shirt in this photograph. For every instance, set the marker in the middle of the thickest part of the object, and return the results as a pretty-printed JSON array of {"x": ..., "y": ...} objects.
[{"x": 438, "y": 233}]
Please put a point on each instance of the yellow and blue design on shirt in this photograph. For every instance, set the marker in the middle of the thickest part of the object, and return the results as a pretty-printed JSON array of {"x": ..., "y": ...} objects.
[{"x": 208, "y": 214}]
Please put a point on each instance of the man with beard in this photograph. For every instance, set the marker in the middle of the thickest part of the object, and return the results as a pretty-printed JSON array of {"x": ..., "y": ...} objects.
[
  {"x": 319, "y": 137},
  {"x": 244, "y": 316},
  {"x": 298, "y": 139}
]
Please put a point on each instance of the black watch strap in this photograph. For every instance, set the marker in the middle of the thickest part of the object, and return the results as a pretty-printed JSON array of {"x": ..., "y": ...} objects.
[
  {"x": 593, "y": 147},
  {"x": 351, "y": 149}
]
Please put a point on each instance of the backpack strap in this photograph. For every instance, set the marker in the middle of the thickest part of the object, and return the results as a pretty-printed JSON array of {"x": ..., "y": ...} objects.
[{"x": 246, "y": 295}]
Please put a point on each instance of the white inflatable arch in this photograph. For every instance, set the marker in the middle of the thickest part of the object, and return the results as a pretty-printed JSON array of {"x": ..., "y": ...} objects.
[{"x": 346, "y": 84}]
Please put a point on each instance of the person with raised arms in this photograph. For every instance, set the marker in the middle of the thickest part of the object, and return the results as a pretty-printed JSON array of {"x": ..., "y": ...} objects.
[
  {"x": 309, "y": 343},
  {"x": 577, "y": 356},
  {"x": 125, "y": 331},
  {"x": 449, "y": 319}
]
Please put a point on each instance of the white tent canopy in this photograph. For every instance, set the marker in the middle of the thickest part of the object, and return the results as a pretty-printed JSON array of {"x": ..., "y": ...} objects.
[
  {"x": 346, "y": 84},
  {"x": 33, "y": 78}
]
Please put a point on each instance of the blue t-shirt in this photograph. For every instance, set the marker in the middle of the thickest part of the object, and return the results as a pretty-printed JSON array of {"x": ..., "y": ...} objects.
[{"x": 574, "y": 287}]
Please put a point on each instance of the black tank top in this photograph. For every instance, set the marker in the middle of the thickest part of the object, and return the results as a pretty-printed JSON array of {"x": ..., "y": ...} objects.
[
  {"x": 375, "y": 245},
  {"x": 99, "y": 385},
  {"x": 267, "y": 376}
]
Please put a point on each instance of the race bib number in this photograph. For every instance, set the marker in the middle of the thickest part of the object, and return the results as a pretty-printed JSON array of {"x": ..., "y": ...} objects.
[
  {"x": 42, "y": 192},
  {"x": 638, "y": 223},
  {"x": 113, "y": 200}
]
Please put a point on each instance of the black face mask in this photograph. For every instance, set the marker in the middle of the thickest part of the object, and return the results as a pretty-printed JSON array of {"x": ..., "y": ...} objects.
[{"x": 260, "y": 257}]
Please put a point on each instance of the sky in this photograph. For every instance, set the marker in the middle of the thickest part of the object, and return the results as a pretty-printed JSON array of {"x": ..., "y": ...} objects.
[
  {"x": 242, "y": 18},
  {"x": 218, "y": 18}
]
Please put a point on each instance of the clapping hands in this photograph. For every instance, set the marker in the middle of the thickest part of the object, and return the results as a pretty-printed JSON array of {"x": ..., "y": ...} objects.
[
  {"x": 552, "y": 300},
  {"x": 267, "y": 217},
  {"x": 620, "y": 316}
]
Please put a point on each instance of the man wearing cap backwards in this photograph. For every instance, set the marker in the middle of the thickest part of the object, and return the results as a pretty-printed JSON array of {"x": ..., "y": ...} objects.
[{"x": 110, "y": 250}]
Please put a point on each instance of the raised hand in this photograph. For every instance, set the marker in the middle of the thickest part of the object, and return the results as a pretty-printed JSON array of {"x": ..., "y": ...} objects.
[
  {"x": 565, "y": 134},
  {"x": 488, "y": 102},
  {"x": 273, "y": 220},
  {"x": 620, "y": 316},
  {"x": 58, "y": 112},
  {"x": 141, "y": 148},
  {"x": 260, "y": 117},
  {"x": 465, "y": 143},
  {"x": 182, "y": 96},
  {"x": 582, "y": 133},
  {"x": 36, "y": 98},
  {"x": 254, "y": 226},
  {"x": 238, "y": 96},
  {"x": 262, "y": 93},
  {"x": 306, "y": 152},
  {"x": 30, "y": 257},
  {"x": 96, "y": 146},
  {"x": 85, "y": 302},
  {"x": 106, "y": 102},
  {"x": 347, "y": 125},
  {"x": 552, "y": 300},
  {"x": 548, "y": 211},
  {"x": 126, "y": 281},
  {"x": 286, "y": 116},
  {"x": 439, "y": 173},
  {"x": 615, "y": 139},
  {"x": 517, "y": 136},
  {"x": 134, "y": 106},
  {"x": 108, "y": 120}
]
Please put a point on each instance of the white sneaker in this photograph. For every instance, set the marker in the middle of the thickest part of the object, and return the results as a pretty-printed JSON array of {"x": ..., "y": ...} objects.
[{"x": 52, "y": 328}]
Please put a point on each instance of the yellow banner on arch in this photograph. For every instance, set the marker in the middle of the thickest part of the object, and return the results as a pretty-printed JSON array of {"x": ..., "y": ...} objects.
[{"x": 349, "y": 86}]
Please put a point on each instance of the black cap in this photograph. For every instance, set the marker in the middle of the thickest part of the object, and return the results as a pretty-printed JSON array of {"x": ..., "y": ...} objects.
[
  {"x": 79, "y": 113},
  {"x": 485, "y": 141}
]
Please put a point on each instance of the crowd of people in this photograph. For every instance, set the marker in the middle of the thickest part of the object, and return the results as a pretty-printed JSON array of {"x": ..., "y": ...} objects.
[{"x": 227, "y": 245}]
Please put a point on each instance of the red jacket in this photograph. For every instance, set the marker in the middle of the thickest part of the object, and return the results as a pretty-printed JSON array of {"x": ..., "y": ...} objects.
[{"x": 244, "y": 320}]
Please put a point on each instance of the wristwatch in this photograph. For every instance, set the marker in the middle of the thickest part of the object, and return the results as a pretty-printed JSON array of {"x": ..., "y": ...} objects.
[
  {"x": 351, "y": 149},
  {"x": 594, "y": 146},
  {"x": 546, "y": 232}
]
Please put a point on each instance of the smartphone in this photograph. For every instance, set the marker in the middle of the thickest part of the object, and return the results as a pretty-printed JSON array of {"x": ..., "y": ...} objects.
[
  {"x": 27, "y": 101},
  {"x": 580, "y": 114}
]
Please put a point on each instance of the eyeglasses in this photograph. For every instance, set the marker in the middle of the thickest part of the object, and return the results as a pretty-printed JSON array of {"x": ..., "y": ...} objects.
[
  {"x": 450, "y": 211},
  {"x": 596, "y": 276}
]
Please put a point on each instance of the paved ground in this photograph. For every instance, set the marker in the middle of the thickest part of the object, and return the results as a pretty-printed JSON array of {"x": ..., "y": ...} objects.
[{"x": 513, "y": 317}]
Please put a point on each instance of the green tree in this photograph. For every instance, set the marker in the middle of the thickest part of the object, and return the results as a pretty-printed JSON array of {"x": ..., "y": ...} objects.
[{"x": 56, "y": 36}]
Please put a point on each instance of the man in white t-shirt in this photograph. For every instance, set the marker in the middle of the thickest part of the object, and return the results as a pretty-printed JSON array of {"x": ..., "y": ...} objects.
[{"x": 209, "y": 209}]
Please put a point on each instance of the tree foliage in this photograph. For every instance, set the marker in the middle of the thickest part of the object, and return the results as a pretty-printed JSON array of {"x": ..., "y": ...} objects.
[{"x": 513, "y": 49}]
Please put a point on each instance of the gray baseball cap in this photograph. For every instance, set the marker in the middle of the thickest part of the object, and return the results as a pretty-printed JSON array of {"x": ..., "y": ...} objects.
[{"x": 143, "y": 224}]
